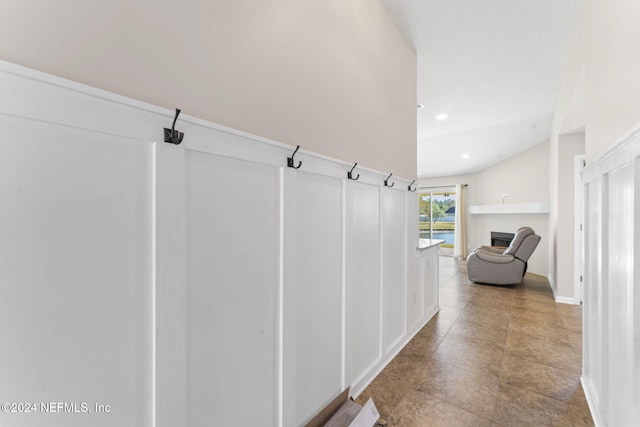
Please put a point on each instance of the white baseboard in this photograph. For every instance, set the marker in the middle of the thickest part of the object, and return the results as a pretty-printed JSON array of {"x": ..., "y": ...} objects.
[
  {"x": 591, "y": 401},
  {"x": 561, "y": 300},
  {"x": 565, "y": 300},
  {"x": 553, "y": 285},
  {"x": 431, "y": 311}
]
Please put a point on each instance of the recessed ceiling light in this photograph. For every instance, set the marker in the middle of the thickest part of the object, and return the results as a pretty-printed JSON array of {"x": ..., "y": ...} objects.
[
  {"x": 465, "y": 156},
  {"x": 441, "y": 117},
  {"x": 420, "y": 105}
]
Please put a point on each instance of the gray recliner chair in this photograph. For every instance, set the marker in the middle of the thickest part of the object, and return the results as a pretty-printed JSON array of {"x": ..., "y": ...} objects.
[{"x": 503, "y": 267}]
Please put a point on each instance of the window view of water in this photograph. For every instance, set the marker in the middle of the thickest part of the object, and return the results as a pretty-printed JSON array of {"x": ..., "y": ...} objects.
[
  {"x": 437, "y": 216},
  {"x": 447, "y": 236}
]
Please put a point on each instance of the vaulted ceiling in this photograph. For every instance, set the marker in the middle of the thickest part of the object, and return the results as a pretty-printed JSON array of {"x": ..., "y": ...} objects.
[{"x": 494, "y": 67}]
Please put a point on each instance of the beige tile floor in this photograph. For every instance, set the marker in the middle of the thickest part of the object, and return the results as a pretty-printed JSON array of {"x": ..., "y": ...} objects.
[{"x": 493, "y": 356}]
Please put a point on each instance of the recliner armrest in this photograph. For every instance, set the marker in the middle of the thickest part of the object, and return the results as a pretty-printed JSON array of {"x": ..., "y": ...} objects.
[
  {"x": 492, "y": 249},
  {"x": 496, "y": 258}
]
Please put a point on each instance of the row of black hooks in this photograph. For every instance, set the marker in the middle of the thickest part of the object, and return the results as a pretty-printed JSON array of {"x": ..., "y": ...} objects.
[
  {"x": 350, "y": 174},
  {"x": 172, "y": 136}
]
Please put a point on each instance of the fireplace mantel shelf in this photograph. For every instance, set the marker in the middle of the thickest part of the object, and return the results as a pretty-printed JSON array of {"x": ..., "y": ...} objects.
[{"x": 511, "y": 208}]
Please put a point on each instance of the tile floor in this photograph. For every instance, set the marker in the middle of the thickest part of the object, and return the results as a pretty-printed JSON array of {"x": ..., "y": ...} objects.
[{"x": 493, "y": 356}]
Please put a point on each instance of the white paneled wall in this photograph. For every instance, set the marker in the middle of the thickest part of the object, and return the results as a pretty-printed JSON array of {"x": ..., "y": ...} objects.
[
  {"x": 394, "y": 228},
  {"x": 76, "y": 274},
  {"x": 429, "y": 262},
  {"x": 363, "y": 296},
  {"x": 611, "y": 374},
  {"x": 313, "y": 305},
  {"x": 192, "y": 284},
  {"x": 232, "y": 288}
]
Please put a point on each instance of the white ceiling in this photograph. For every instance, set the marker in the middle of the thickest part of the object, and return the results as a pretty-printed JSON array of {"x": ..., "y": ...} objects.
[{"x": 494, "y": 67}]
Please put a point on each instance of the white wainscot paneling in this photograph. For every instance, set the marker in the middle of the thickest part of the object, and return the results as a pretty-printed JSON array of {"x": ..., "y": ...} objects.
[
  {"x": 621, "y": 356},
  {"x": 313, "y": 294},
  {"x": 393, "y": 268},
  {"x": 414, "y": 293},
  {"x": 232, "y": 232},
  {"x": 429, "y": 271},
  {"x": 189, "y": 285},
  {"x": 76, "y": 270},
  {"x": 594, "y": 303},
  {"x": 363, "y": 280},
  {"x": 611, "y": 373}
]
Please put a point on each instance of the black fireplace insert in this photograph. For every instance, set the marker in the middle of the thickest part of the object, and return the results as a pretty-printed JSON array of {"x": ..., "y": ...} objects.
[{"x": 501, "y": 239}]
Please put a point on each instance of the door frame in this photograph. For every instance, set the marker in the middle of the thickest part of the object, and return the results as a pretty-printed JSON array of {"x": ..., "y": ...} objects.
[{"x": 579, "y": 162}]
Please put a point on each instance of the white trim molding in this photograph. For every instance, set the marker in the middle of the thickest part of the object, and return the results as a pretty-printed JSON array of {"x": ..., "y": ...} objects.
[{"x": 511, "y": 208}]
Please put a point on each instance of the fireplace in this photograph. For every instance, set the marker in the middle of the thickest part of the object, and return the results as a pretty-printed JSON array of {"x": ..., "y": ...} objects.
[{"x": 501, "y": 239}]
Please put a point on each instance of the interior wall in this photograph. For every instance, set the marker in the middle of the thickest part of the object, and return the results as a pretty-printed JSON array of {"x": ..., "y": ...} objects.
[
  {"x": 525, "y": 178},
  {"x": 599, "y": 57},
  {"x": 613, "y": 106},
  {"x": 570, "y": 114},
  {"x": 605, "y": 36},
  {"x": 336, "y": 77},
  {"x": 186, "y": 277},
  {"x": 570, "y": 111},
  {"x": 569, "y": 146},
  {"x": 600, "y": 78}
]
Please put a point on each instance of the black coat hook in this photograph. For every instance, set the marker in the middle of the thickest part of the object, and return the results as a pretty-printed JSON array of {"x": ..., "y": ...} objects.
[
  {"x": 409, "y": 188},
  {"x": 350, "y": 173},
  {"x": 172, "y": 136},
  {"x": 386, "y": 182},
  {"x": 290, "y": 160}
]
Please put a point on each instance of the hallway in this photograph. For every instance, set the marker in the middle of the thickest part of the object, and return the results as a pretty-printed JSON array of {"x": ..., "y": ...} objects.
[{"x": 493, "y": 356}]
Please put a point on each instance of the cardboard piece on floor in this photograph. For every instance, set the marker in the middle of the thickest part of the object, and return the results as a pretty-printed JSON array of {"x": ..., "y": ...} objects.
[
  {"x": 344, "y": 412},
  {"x": 345, "y": 415},
  {"x": 367, "y": 417}
]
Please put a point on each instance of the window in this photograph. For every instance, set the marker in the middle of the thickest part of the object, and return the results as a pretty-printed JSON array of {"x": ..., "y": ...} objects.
[{"x": 437, "y": 218}]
